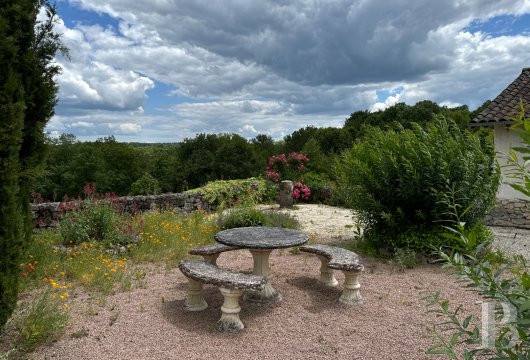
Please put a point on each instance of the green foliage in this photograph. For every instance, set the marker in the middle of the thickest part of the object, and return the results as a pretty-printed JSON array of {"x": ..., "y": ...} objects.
[
  {"x": 250, "y": 216},
  {"x": 27, "y": 98},
  {"x": 242, "y": 217},
  {"x": 403, "y": 115},
  {"x": 400, "y": 181},
  {"x": 280, "y": 219},
  {"x": 210, "y": 157},
  {"x": 39, "y": 259},
  {"x": 145, "y": 185},
  {"x": 40, "y": 321},
  {"x": 167, "y": 236},
  {"x": 97, "y": 221},
  {"x": 501, "y": 280},
  {"x": 321, "y": 187},
  {"x": 517, "y": 169},
  {"x": 404, "y": 258},
  {"x": 113, "y": 166},
  {"x": 227, "y": 193}
]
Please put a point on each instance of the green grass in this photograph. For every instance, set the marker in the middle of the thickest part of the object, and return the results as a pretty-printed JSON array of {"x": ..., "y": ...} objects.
[
  {"x": 166, "y": 237},
  {"x": 36, "y": 321}
]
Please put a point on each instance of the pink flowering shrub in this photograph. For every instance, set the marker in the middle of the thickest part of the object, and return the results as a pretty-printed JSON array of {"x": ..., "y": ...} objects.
[
  {"x": 286, "y": 167},
  {"x": 301, "y": 192},
  {"x": 289, "y": 167}
]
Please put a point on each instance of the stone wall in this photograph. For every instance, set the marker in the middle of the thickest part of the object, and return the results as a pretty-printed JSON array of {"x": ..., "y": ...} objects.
[
  {"x": 47, "y": 214},
  {"x": 514, "y": 213}
]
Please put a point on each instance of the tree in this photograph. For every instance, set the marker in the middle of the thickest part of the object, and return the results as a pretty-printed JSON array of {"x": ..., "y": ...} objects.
[
  {"x": 145, "y": 185},
  {"x": 296, "y": 141},
  {"x": 234, "y": 158},
  {"x": 28, "y": 95}
]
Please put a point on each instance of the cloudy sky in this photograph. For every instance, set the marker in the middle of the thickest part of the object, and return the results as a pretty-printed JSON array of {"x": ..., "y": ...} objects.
[{"x": 165, "y": 70}]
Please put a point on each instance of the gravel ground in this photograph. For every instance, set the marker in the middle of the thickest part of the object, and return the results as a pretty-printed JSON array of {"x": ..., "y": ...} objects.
[
  {"x": 512, "y": 241},
  {"x": 309, "y": 323}
]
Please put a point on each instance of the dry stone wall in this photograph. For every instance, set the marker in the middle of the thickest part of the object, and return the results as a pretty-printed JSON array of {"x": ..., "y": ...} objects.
[
  {"x": 47, "y": 214},
  {"x": 514, "y": 213}
]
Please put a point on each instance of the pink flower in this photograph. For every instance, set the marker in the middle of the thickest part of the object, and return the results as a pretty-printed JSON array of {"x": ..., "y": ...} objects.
[{"x": 296, "y": 194}]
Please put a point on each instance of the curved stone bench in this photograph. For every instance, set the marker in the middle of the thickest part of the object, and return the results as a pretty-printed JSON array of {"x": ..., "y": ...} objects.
[
  {"x": 231, "y": 284},
  {"x": 210, "y": 253},
  {"x": 335, "y": 258}
]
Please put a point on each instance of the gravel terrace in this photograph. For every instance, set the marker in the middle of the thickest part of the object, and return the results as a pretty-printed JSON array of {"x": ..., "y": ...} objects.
[{"x": 309, "y": 323}]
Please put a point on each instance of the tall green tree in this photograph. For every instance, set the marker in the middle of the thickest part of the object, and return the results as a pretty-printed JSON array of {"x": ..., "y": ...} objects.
[{"x": 28, "y": 95}]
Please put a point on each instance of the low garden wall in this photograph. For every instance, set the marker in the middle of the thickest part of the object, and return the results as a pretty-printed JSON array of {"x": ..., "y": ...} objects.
[
  {"x": 47, "y": 214},
  {"x": 514, "y": 213}
]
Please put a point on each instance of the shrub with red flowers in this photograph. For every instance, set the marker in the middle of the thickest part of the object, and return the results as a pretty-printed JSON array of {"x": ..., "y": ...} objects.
[
  {"x": 289, "y": 167},
  {"x": 301, "y": 191},
  {"x": 286, "y": 167}
]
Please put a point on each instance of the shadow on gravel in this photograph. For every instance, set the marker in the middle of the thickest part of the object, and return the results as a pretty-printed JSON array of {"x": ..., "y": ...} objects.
[
  {"x": 322, "y": 297},
  {"x": 203, "y": 322}
]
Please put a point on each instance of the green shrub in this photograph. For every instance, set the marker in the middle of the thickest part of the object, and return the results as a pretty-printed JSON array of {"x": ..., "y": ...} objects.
[
  {"x": 498, "y": 278},
  {"x": 228, "y": 193},
  {"x": 400, "y": 181},
  {"x": 249, "y": 216},
  {"x": 96, "y": 221},
  {"x": 145, "y": 185},
  {"x": 320, "y": 185},
  {"x": 280, "y": 219},
  {"x": 404, "y": 258},
  {"x": 242, "y": 217}
]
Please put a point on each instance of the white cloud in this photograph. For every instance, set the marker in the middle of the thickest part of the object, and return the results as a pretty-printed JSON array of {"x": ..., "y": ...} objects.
[
  {"x": 391, "y": 100},
  {"x": 270, "y": 67}
]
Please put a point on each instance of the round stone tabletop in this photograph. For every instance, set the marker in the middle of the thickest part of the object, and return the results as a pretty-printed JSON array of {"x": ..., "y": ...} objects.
[{"x": 261, "y": 237}]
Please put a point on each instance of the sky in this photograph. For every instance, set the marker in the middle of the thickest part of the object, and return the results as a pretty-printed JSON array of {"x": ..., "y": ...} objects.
[{"x": 166, "y": 70}]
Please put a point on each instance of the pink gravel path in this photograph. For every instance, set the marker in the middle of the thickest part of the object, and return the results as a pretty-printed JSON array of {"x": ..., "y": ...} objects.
[{"x": 309, "y": 323}]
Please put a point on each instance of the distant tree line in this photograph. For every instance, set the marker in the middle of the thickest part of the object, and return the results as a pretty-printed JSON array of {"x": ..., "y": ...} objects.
[{"x": 123, "y": 168}]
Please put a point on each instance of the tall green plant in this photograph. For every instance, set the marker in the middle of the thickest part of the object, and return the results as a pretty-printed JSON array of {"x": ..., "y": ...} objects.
[
  {"x": 515, "y": 169},
  {"x": 27, "y": 99},
  {"x": 401, "y": 179},
  {"x": 502, "y": 280}
]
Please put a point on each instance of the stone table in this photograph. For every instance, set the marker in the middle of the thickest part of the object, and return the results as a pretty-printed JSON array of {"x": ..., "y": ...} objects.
[{"x": 261, "y": 240}]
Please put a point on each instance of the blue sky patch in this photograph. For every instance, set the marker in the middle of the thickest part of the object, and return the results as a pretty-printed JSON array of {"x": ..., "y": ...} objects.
[
  {"x": 73, "y": 15},
  {"x": 505, "y": 25},
  {"x": 384, "y": 94},
  {"x": 161, "y": 98}
]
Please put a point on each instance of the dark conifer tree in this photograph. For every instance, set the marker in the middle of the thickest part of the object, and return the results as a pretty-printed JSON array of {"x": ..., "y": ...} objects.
[{"x": 27, "y": 98}]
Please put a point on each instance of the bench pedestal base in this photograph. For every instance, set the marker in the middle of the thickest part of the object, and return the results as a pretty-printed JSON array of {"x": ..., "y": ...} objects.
[
  {"x": 194, "y": 299},
  {"x": 261, "y": 267},
  {"x": 350, "y": 294},
  {"x": 229, "y": 320},
  {"x": 326, "y": 274}
]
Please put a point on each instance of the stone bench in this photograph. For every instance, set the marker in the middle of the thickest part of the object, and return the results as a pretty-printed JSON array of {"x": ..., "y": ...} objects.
[
  {"x": 210, "y": 253},
  {"x": 335, "y": 258},
  {"x": 231, "y": 284}
]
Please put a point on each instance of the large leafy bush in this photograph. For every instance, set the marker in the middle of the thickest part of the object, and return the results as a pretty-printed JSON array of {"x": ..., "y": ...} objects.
[
  {"x": 399, "y": 180},
  {"x": 503, "y": 280},
  {"x": 228, "y": 193}
]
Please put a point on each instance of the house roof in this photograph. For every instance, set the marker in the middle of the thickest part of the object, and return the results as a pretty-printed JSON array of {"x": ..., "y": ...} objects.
[{"x": 506, "y": 105}]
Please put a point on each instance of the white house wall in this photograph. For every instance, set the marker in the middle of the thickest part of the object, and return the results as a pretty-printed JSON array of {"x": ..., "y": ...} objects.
[{"x": 505, "y": 139}]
